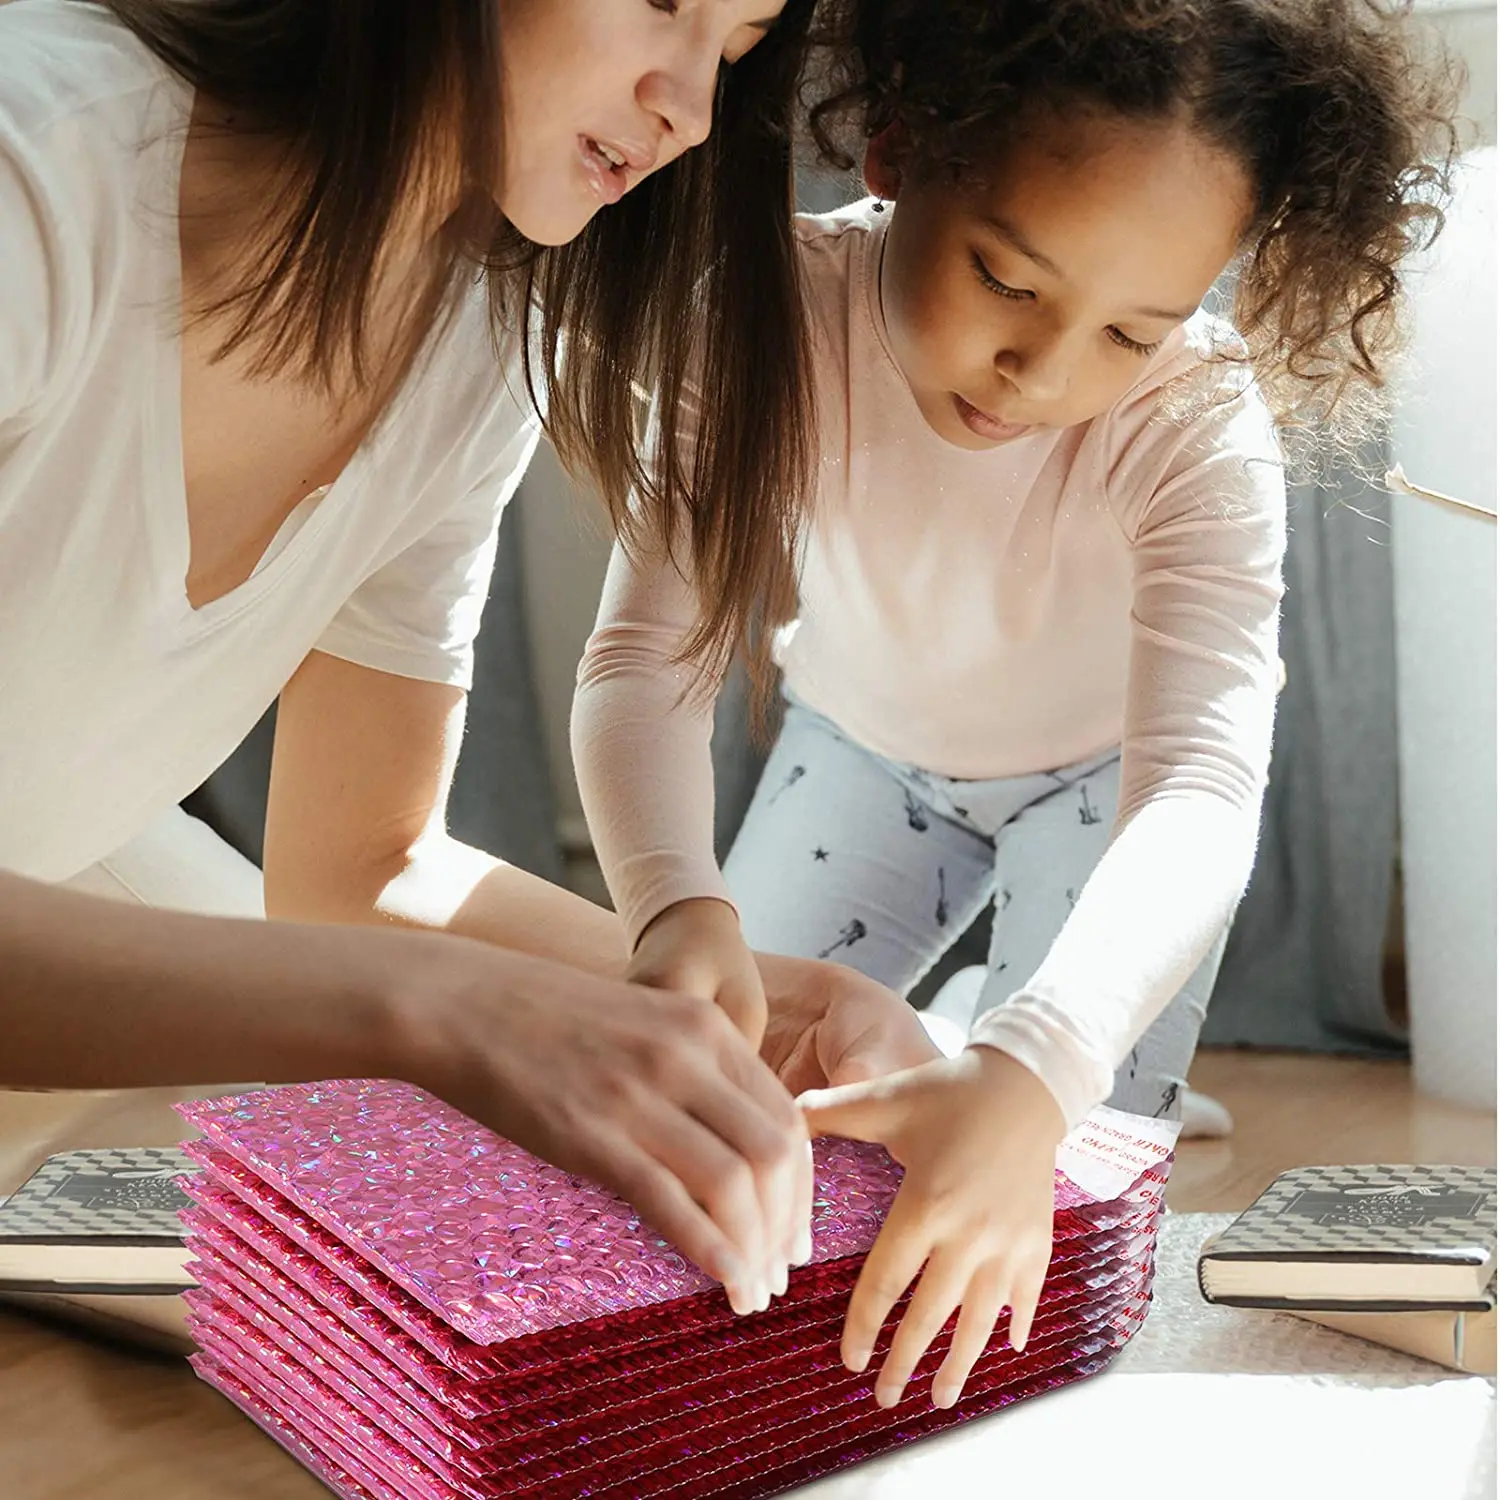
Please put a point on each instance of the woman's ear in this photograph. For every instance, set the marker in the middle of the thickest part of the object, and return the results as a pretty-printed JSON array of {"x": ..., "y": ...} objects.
[{"x": 883, "y": 155}]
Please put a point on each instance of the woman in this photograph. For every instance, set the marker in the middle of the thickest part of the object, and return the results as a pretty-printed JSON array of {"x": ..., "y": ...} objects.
[{"x": 263, "y": 268}]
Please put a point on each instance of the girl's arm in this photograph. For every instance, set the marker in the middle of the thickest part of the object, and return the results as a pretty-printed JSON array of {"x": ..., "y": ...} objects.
[
  {"x": 1205, "y": 508},
  {"x": 977, "y": 1134},
  {"x": 642, "y": 722}
]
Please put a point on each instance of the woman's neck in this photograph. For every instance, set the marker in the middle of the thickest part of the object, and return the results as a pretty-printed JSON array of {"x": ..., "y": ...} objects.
[{"x": 233, "y": 182}]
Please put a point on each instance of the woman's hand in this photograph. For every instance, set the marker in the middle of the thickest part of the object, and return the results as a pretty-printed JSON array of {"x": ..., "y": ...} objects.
[
  {"x": 977, "y": 1135},
  {"x": 649, "y": 1091}
]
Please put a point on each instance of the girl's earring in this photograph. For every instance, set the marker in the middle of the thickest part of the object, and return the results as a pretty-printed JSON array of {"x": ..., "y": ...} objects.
[{"x": 879, "y": 206}]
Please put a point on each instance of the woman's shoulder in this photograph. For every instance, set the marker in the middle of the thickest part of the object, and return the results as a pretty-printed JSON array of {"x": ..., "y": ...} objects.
[
  {"x": 62, "y": 59},
  {"x": 85, "y": 114}
]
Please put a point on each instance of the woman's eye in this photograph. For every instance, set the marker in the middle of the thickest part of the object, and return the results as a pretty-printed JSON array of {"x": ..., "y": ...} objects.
[
  {"x": 1134, "y": 346},
  {"x": 997, "y": 286},
  {"x": 667, "y": 7}
]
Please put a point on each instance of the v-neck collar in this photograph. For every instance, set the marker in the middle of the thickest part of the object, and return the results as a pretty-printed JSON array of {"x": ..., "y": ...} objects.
[{"x": 165, "y": 479}]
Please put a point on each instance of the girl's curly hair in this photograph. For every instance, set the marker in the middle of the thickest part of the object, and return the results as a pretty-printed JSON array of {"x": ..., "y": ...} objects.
[{"x": 1345, "y": 127}]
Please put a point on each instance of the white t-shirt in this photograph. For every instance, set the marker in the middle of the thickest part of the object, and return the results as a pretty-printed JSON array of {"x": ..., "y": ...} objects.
[{"x": 117, "y": 698}]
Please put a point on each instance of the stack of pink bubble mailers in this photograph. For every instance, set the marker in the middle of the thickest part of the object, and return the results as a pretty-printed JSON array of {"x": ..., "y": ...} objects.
[{"x": 419, "y": 1310}]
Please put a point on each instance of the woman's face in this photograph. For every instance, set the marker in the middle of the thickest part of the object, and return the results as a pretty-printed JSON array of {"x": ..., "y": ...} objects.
[{"x": 600, "y": 93}]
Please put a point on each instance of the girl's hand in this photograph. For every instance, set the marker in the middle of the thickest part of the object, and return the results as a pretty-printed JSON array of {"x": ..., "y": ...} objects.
[
  {"x": 978, "y": 1135},
  {"x": 696, "y": 948}
]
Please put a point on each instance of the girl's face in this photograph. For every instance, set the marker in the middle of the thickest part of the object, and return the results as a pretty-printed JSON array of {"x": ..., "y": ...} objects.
[
  {"x": 1034, "y": 296},
  {"x": 600, "y": 93}
]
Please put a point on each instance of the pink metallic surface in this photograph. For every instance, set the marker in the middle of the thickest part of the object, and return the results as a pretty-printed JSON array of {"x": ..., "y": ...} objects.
[
  {"x": 418, "y": 1310},
  {"x": 495, "y": 1242}
]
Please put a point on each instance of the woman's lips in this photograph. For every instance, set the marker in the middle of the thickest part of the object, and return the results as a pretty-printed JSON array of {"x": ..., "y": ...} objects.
[
  {"x": 614, "y": 166},
  {"x": 608, "y": 179},
  {"x": 982, "y": 424}
]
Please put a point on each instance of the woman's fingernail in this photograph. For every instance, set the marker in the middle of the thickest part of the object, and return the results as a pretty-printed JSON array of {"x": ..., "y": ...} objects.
[
  {"x": 887, "y": 1395},
  {"x": 945, "y": 1398},
  {"x": 779, "y": 1279},
  {"x": 802, "y": 1251},
  {"x": 857, "y": 1360}
]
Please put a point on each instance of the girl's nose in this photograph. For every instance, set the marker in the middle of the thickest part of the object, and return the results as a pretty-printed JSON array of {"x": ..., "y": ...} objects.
[{"x": 1038, "y": 367}]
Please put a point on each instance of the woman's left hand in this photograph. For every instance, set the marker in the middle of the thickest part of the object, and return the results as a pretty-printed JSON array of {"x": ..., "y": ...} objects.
[{"x": 977, "y": 1135}]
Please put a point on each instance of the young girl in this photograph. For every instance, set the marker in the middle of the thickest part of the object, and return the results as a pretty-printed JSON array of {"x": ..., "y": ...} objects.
[
  {"x": 1034, "y": 648},
  {"x": 263, "y": 395}
]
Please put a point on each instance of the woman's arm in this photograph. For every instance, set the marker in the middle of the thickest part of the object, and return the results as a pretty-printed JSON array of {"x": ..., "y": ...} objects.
[
  {"x": 355, "y": 827},
  {"x": 355, "y": 834},
  {"x": 651, "y": 1093}
]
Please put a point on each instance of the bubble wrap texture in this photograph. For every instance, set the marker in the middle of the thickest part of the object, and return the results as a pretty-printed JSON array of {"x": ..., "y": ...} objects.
[
  {"x": 493, "y": 1241},
  {"x": 525, "y": 1416},
  {"x": 417, "y": 1310}
]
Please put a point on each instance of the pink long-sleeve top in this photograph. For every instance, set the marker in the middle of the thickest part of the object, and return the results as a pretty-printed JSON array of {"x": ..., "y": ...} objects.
[{"x": 995, "y": 614}]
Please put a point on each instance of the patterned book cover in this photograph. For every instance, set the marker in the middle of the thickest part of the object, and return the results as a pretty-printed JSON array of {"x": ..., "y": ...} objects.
[
  {"x": 95, "y": 1208},
  {"x": 1442, "y": 1217}
]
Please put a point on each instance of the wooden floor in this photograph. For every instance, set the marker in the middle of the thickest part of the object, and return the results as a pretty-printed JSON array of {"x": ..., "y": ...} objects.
[
  {"x": 82, "y": 1421},
  {"x": 1293, "y": 1109}
]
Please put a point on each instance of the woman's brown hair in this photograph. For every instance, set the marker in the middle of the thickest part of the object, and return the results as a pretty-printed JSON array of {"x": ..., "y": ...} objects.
[{"x": 373, "y": 101}]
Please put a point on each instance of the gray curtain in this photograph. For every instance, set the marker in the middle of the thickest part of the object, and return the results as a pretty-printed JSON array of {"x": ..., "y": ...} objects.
[
  {"x": 1304, "y": 963},
  {"x": 502, "y": 797}
]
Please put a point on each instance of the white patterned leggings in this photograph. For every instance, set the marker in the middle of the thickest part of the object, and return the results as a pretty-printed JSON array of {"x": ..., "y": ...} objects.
[{"x": 847, "y": 856}]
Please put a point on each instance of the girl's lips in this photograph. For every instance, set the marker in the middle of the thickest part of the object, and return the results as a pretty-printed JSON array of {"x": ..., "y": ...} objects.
[{"x": 982, "y": 424}]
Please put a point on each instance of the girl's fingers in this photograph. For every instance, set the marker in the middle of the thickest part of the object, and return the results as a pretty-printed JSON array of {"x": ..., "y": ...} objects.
[
  {"x": 938, "y": 1293},
  {"x": 869, "y": 1111},
  {"x": 982, "y": 1302},
  {"x": 900, "y": 1251}
]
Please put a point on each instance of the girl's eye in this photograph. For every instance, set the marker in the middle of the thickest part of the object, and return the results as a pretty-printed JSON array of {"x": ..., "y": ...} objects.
[
  {"x": 668, "y": 7},
  {"x": 1126, "y": 342},
  {"x": 997, "y": 286}
]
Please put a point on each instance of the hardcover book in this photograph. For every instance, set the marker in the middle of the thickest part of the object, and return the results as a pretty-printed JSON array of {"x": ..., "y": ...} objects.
[
  {"x": 1360, "y": 1239},
  {"x": 98, "y": 1222}
]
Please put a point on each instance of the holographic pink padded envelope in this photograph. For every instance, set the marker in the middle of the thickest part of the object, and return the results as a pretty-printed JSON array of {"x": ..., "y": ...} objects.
[
  {"x": 418, "y": 1310},
  {"x": 493, "y": 1241}
]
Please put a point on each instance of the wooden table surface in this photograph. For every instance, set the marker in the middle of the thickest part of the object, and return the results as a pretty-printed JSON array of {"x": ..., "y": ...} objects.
[{"x": 80, "y": 1420}]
